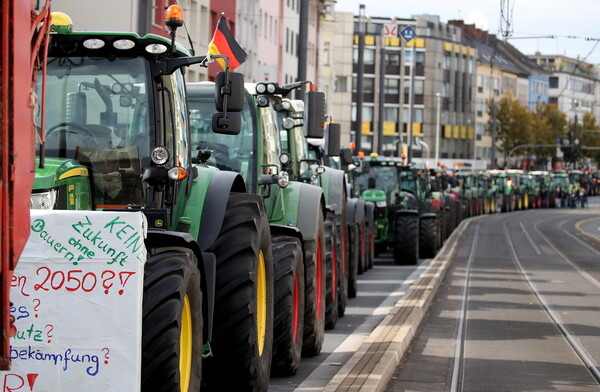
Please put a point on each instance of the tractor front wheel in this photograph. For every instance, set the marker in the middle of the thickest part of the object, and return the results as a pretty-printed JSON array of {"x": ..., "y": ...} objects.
[
  {"x": 243, "y": 316},
  {"x": 172, "y": 323}
]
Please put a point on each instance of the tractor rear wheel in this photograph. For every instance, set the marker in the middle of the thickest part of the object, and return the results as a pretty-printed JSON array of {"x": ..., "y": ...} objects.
[
  {"x": 315, "y": 287},
  {"x": 331, "y": 262},
  {"x": 288, "y": 268},
  {"x": 353, "y": 260},
  {"x": 343, "y": 276},
  {"x": 172, "y": 323},
  {"x": 243, "y": 316},
  {"x": 406, "y": 244},
  {"x": 428, "y": 237}
]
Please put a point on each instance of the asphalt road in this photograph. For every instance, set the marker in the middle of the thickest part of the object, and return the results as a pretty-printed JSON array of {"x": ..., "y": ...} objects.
[
  {"x": 510, "y": 342},
  {"x": 518, "y": 310},
  {"x": 378, "y": 290}
]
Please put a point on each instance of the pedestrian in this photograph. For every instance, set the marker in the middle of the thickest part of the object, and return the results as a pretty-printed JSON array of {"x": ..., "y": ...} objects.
[{"x": 583, "y": 197}]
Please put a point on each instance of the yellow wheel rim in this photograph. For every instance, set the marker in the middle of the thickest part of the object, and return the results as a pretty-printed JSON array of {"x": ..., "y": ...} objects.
[
  {"x": 185, "y": 346},
  {"x": 526, "y": 201},
  {"x": 261, "y": 303}
]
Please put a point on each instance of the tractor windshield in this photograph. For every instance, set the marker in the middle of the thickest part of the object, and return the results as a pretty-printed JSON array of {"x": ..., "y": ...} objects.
[
  {"x": 97, "y": 113},
  {"x": 229, "y": 152},
  {"x": 386, "y": 179},
  {"x": 408, "y": 182}
]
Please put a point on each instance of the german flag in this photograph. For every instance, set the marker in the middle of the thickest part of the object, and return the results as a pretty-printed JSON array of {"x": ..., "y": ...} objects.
[{"x": 224, "y": 43}]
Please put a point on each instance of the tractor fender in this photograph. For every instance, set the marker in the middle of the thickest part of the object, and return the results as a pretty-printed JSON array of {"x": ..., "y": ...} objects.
[
  {"x": 360, "y": 211},
  {"x": 310, "y": 201},
  {"x": 351, "y": 211},
  {"x": 285, "y": 230},
  {"x": 215, "y": 203},
  {"x": 162, "y": 240},
  {"x": 337, "y": 190},
  {"x": 370, "y": 212},
  {"x": 428, "y": 215},
  {"x": 407, "y": 212}
]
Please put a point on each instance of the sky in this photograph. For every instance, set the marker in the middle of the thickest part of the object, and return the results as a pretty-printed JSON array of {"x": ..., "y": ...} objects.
[{"x": 529, "y": 20}]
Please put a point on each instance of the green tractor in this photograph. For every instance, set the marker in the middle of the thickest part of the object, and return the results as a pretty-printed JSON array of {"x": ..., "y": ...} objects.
[
  {"x": 505, "y": 186},
  {"x": 471, "y": 198},
  {"x": 407, "y": 210},
  {"x": 296, "y": 213},
  {"x": 117, "y": 137}
]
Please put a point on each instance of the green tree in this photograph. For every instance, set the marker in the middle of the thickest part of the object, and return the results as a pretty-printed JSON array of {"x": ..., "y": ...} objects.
[
  {"x": 589, "y": 137},
  {"x": 548, "y": 126},
  {"x": 513, "y": 123}
]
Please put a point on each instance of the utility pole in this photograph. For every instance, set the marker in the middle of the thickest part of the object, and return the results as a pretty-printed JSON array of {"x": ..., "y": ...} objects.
[
  {"x": 302, "y": 45},
  {"x": 381, "y": 98},
  {"x": 493, "y": 163},
  {"x": 359, "y": 77},
  {"x": 411, "y": 103},
  {"x": 438, "y": 98}
]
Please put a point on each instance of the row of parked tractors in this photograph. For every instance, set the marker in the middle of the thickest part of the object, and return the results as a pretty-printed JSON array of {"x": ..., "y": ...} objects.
[
  {"x": 416, "y": 208},
  {"x": 258, "y": 223},
  {"x": 254, "y": 239}
]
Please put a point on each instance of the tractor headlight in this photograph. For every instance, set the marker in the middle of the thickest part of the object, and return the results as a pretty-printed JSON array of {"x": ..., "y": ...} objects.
[
  {"x": 160, "y": 155},
  {"x": 283, "y": 179},
  {"x": 44, "y": 200}
]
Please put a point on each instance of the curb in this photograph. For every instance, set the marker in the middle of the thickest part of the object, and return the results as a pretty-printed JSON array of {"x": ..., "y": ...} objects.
[
  {"x": 372, "y": 366},
  {"x": 586, "y": 236}
]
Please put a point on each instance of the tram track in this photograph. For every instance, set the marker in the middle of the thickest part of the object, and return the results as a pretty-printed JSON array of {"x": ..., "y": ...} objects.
[{"x": 588, "y": 361}]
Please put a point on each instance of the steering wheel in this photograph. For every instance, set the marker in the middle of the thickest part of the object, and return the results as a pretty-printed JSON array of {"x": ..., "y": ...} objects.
[{"x": 81, "y": 129}]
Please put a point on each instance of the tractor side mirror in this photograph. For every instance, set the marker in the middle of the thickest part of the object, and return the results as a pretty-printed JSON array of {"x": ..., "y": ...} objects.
[
  {"x": 345, "y": 156},
  {"x": 230, "y": 86},
  {"x": 333, "y": 139},
  {"x": 315, "y": 114}
]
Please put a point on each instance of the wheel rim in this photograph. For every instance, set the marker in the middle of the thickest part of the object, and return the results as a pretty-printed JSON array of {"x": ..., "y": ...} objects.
[
  {"x": 185, "y": 345},
  {"x": 295, "y": 308},
  {"x": 319, "y": 274},
  {"x": 261, "y": 303}
]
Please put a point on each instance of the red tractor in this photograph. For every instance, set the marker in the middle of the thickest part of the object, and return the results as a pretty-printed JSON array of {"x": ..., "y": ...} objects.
[{"x": 24, "y": 34}]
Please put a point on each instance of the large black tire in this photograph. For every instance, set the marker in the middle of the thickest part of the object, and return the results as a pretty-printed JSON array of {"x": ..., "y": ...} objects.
[
  {"x": 288, "y": 328},
  {"x": 353, "y": 259},
  {"x": 243, "y": 317},
  {"x": 171, "y": 315},
  {"x": 406, "y": 235},
  {"x": 428, "y": 237},
  {"x": 370, "y": 231},
  {"x": 331, "y": 276},
  {"x": 315, "y": 287},
  {"x": 343, "y": 276}
]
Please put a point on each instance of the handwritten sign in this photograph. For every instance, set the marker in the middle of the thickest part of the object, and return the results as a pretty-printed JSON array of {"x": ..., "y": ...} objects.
[{"x": 77, "y": 303}]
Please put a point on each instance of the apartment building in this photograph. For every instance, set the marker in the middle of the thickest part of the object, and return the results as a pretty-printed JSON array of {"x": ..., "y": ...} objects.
[{"x": 574, "y": 85}]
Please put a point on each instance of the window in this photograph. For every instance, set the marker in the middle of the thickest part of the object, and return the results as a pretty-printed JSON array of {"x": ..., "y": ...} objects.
[
  {"x": 392, "y": 59},
  {"x": 368, "y": 85},
  {"x": 369, "y": 56},
  {"x": 392, "y": 86},
  {"x": 447, "y": 60},
  {"x": 419, "y": 58},
  {"x": 390, "y": 114},
  {"x": 341, "y": 84},
  {"x": 326, "y": 51}
]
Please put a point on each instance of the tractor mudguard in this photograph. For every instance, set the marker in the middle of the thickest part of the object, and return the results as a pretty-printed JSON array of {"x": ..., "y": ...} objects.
[
  {"x": 300, "y": 203},
  {"x": 163, "y": 240},
  {"x": 407, "y": 212},
  {"x": 285, "y": 230},
  {"x": 336, "y": 193},
  {"x": 360, "y": 211},
  {"x": 311, "y": 200},
  {"x": 215, "y": 203},
  {"x": 428, "y": 215},
  {"x": 351, "y": 211},
  {"x": 370, "y": 211}
]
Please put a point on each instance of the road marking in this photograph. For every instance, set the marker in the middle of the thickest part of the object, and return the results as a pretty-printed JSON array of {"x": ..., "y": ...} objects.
[{"x": 537, "y": 250}]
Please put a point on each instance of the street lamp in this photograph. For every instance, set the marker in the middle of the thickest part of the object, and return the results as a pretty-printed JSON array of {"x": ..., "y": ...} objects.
[{"x": 438, "y": 98}]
